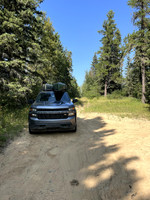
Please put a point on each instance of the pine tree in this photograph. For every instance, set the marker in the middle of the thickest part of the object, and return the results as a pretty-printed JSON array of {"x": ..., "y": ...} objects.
[
  {"x": 128, "y": 80},
  {"x": 20, "y": 51},
  {"x": 94, "y": 63},
  {"x": 90, "y": 87},
  {"x": 57, "y": 66},
  {"x": 74, "y": 90},
  {"x": 109, "y": 66},
  {"x": 30, "y": 52},
  {"x": 140, "y": 39},
  {"x": 132, "y": 81}
]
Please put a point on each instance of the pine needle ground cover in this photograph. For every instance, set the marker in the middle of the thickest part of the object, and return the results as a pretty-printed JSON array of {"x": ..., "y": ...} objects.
[
  {"x": 123, "y": 107},
  {"x": 12, "y": 122}
]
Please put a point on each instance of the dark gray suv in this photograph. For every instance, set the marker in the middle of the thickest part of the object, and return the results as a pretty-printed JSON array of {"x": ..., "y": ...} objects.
[{"x": 52, "y": 110}]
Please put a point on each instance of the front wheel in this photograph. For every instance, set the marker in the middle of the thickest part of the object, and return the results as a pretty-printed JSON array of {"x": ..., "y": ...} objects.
[
  {"x": 75, "y": 129},
  {"x": 30, "y": 131}
]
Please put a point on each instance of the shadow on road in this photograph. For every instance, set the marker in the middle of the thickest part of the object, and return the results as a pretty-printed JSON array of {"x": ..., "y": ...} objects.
[
  {"x": 107, "y": 175},
  {"x": 102, "y": 171}
]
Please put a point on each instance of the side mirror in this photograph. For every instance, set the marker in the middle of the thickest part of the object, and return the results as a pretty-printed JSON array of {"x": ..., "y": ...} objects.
[
  {"x": 30, "y": 101},
  {"x": 75, "y": 100}
]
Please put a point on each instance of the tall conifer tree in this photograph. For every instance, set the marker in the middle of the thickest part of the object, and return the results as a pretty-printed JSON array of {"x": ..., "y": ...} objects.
[
  {"x": 132, "y": 81},
  {"x": 57, "y": 61},
  {"x": 109, "y": 67},
  {"x": 20, "y": 50},
  {"x": 140, "y": 39},
  {"x": 94, "y": 63}
]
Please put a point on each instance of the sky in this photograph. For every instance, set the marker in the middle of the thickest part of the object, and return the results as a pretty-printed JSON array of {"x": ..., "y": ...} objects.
[{"x": 78, "y": 21}]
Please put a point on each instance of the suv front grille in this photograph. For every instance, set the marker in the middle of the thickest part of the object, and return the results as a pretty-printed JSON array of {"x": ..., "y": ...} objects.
[{"x": 53, "y": 116}]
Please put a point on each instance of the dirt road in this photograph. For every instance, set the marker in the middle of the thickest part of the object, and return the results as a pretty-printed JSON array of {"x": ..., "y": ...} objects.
[{"x": 108, "y": 158}]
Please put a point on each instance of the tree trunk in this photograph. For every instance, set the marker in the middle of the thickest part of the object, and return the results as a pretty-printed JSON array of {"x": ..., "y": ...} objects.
[
  {"x": 105, "y": 92},
  {"x": 143, "y": 82},
  {"x": 142, "y": 56}
]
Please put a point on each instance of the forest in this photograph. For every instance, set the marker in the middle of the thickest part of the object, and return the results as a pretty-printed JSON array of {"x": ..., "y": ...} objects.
[
  {"x": 30, "y": 53},
  {"x": 121, "y": 67}
]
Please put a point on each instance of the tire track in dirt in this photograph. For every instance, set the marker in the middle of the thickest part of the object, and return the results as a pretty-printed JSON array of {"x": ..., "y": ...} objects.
[{"x": 108, "y": 158}]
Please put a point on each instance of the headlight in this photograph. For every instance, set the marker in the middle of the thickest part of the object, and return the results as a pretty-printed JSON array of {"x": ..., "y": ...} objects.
[
  {"x": 33, "y": 115},
  {"x": 71, "y": 111},
  {"x": 32, "y": 112},
  {"x": 33, "y": 109}
]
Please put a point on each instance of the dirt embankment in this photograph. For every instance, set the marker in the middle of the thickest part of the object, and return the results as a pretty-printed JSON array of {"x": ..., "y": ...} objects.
[{"x": 108, "y": 158}]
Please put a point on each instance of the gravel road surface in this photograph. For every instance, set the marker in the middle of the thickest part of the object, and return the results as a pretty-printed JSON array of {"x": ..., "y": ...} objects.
[{"x": 108, "y": 158}]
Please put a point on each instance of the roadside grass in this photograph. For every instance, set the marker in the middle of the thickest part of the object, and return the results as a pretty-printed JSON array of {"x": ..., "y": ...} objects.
[
  {"x": 12, "y": 121},
  {"x": 81, "y": 101},
  {"x": 123, "y": 107}
]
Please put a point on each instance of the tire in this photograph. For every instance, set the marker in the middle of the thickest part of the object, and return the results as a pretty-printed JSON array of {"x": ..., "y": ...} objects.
[
  {"x": 30, "y": 131},
  {"x": 75, "y": 129}
]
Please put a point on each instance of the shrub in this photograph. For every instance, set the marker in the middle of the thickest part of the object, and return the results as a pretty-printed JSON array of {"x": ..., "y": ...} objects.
[{"x": 117, "y": 94}]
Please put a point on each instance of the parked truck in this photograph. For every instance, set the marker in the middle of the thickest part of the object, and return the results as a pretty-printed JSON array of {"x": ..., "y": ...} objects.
[{"x": 53, "y": 110}]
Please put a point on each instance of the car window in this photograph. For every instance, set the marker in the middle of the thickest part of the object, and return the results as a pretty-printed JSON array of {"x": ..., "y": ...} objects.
[{"x": 50, "y": 97}]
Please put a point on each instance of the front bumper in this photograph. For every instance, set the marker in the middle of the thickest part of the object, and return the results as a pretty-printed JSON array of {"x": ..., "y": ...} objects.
[{"x": 43, "y": 125}]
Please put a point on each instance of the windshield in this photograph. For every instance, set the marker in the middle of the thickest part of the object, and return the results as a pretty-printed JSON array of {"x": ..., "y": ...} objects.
[
  {"x": 52, "y": 97},
  {"x": 49, "y": 96},
  {"x": 65, "y": 98}
]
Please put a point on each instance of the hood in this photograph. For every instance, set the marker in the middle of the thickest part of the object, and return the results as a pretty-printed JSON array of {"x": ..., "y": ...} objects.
[{"x": 46, "y": 104}]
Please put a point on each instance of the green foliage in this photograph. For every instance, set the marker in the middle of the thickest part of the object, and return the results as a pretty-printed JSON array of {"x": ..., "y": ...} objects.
[
  {"x": 58, "y": 62},
  {"x": 12, "y": 121},
  {"x": 20, "y": 50},
  {"x": 117, "y": 94},
  {"x": 139, "y": 40},
  {"x": 148, "y": 85},
  {"x": 90, "y": 87},
  {"x": 105, "y": 73},
  {"x": 109, "y": 65},
  {"x": 91, "y": 93},
  {"x": 74, "y": 90},
  {"x": 108, "y": 72},
  {"x": 30, "y": 53},
  {"x": 133, "y": 80}
]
